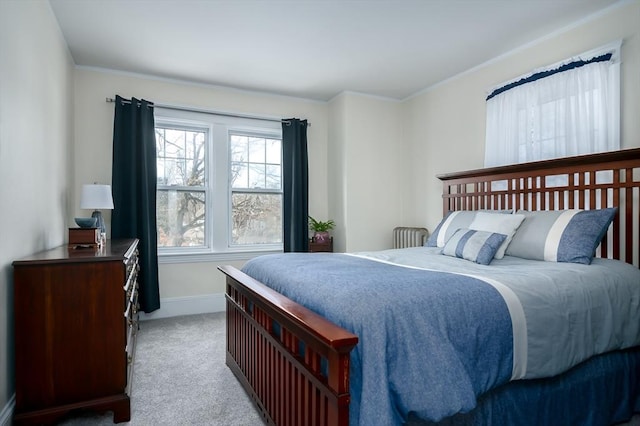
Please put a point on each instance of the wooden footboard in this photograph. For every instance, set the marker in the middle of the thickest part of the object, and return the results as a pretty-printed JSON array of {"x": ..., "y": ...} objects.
[{"x": 292, "y": 362}]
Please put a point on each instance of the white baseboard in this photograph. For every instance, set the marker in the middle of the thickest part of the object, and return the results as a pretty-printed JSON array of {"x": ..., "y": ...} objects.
[
  {"x": 189, "y": 305},
  {"x": 7, "y": 412}
]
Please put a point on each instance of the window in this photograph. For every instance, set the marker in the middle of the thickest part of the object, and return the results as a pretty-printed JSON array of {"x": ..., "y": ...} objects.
[
  {"x": 219, "y": 189},
  {"x": 256, "y": 189},
  {"x": 563, "y": 110},
  {"x": 181, "y": 187}
]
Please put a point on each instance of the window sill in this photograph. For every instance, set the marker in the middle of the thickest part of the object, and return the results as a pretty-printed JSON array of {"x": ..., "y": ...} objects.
[{"x": 212, "y": 257}]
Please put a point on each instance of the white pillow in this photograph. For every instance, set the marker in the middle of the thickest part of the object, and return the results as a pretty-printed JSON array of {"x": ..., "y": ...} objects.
[
  {"x": 506, "y": 224},
  {"x": 453, "y": 221}
]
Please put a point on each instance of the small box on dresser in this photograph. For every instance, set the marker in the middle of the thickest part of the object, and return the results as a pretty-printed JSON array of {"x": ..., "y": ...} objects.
[
  {"x": 82, "y": 236},
  {"x": 75, "y": 325}
]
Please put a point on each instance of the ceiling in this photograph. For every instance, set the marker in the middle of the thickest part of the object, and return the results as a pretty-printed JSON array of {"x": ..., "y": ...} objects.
[{"x": 313, "y": 49}]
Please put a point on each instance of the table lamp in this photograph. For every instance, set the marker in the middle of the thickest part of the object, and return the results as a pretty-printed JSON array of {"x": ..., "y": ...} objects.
[{"x": 97, "y": 197}]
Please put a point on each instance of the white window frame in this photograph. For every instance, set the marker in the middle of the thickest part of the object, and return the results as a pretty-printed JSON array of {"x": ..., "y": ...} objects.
[{"x": 218, "y": 219}]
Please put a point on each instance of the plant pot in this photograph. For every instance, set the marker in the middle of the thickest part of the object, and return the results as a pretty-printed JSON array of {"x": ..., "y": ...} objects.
[{"x": 321, "y": 237}]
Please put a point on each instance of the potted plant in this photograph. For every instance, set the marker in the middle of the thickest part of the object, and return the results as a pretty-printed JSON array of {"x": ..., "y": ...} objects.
[{"x": 321, "y": 229}]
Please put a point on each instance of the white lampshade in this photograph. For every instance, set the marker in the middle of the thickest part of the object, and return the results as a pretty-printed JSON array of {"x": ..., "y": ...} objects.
[{"x": 96, "y": 197}]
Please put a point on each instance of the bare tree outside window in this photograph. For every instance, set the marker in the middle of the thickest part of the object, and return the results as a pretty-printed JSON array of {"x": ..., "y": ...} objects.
[
  {"x": 181, "y": 186},
  {"x": 256, "y": 189}
]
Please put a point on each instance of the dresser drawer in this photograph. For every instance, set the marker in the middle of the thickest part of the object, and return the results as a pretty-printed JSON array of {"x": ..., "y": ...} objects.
[
  {"x": 132, "y": 267},
  {"x": 131, "y": 318}
]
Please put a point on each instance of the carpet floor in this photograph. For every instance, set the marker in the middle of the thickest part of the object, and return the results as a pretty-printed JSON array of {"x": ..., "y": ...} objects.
[{"x": 180, "y": 378}]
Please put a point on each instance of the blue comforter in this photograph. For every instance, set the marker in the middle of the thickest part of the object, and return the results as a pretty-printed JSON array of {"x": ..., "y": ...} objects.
[{"x": 423, "y": 347}]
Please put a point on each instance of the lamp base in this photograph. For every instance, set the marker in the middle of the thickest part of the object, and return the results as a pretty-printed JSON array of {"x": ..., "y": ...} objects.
[
  {"x": 100, "y": 225},
  {"x": 99, "y": 222}
]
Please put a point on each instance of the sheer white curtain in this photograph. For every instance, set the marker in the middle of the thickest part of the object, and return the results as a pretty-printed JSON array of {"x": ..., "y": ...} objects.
[{"x": 566, "y": 113}]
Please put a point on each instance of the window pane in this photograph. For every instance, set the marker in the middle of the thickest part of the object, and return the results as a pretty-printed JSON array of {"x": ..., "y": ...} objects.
[
  {"x": 256, "y": 150},
  {"x": 180, "y": 156},
  {"x": 256, "y": 175},
  {"x": 180, "y": 216},
  {"x": 239, "y": 175},
  {"x": 274, "y": 151},
  {"x": 257, "y": 218},
  {"x": 160, "y": 154},
  {"x": 256, "y": 162},
  {"x": 273, "y": 177},
  {"x": 239, "y": 148}
]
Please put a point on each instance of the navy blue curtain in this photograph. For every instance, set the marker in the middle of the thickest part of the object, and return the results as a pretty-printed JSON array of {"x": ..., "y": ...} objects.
[
  {"x": 295, "y": 185},
  {"x": 133, "y": 184}
]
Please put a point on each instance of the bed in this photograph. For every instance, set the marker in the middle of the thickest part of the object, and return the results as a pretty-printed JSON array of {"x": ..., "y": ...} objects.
[{"x": 324, "y": 345}]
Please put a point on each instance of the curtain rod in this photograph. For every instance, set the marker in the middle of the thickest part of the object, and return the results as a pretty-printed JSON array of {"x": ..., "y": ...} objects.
[{"x": 224, "y": 114}]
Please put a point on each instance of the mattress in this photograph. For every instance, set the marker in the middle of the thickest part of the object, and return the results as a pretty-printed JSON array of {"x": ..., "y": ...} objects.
[{"x": 436, "y": 332}]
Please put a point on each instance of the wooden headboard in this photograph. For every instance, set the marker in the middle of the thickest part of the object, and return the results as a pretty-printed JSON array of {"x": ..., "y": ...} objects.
[{"x": 610, "y": 179}]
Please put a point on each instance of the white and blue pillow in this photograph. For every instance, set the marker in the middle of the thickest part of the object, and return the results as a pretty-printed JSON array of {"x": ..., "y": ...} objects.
[
  {"x": 560, "y": 236},
  {"x": 506, "y": 224},
  {"x": 476, "y": 246},
  {"x": 452, "y": 222}
]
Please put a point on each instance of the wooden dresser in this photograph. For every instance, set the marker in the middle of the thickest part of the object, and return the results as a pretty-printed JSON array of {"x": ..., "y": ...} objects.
[{"x": 76, "y": 318}]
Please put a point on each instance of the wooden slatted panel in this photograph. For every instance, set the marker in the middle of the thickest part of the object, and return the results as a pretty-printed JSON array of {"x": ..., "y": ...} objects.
[
  {"x": 604, "y": 246},
  {"x": 637, "y": 216},
  {"x": 628, "y": 213},
  {"x": 581, "y": 193},
  {"x": 616, "y": 219}
]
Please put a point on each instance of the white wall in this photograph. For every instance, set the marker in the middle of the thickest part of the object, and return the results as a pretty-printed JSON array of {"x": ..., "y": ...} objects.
[
  {"x": 366, "y": 160},
  {"x": 181, "y": 282},
  {"x": 445, "y": 126},
  {"x": 35, "y": 145},
  {"x": 336, "y": 159}
]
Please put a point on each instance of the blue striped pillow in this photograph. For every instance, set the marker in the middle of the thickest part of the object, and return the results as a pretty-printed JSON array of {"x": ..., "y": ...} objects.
[
  {"x": 476, "y": 246},
  {"x": 561, "y": 236}
]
